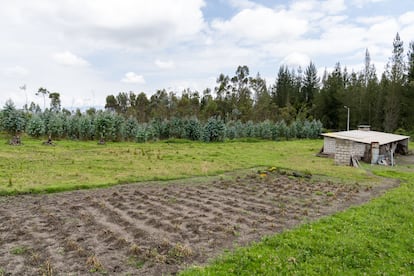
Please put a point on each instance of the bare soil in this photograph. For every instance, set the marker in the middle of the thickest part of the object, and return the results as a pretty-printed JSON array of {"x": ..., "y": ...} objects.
[{"x": 159, "y": 228}]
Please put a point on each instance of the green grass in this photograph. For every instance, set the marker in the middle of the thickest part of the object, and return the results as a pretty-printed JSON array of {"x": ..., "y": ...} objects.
[
  {"x": 35, "y": 168},
  {"x": 374, "y": 239},
  {"x": 18, "y": 250}
]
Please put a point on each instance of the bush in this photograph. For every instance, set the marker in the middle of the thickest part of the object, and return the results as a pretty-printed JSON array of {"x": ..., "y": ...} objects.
[
  {"x": 176, "y": 128},
  {"x": 281, "y": 130},
  {"x": 35, "y": 127},
  {"x": 117, "y": 127},
  {"x": 130, "y": 129},
  {"x": 12, "y": 120},
  {"x": 86, "y": 127},
  {"x": 160, "y": 129},
  {"x": 249, "y": 129},
  {"x": 144, "y": 133},
  {"x": 72, "y": 123},
  {"x": 55, "y": 124},
  {"x": 104, "y": 123},
  {"x": 214, "y": 130},
  {"x": 265, "y": 130},
  {"x": 315, "y": 129},
  {"x": 193, "y": 129}
]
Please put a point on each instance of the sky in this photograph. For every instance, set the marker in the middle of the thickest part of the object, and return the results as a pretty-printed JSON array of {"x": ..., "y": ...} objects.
[{"x": 89, "y": 49}]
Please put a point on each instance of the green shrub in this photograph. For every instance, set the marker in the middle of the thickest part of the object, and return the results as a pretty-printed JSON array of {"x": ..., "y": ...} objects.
[
  {"x": 55, "y": 124},
  {"x": 144, "y": 133},
  {"x": 130, "y": 129},
  {"x": 35, "y": 126},
  {"x": 193, "y": 129},
  {"x": 12, "y": 120},
  {"x": 214, "y": 130},
  {"x": 176, "y": 128},
  {"x": 86, "y": 127},
  {"x": 160, "y": 129}
]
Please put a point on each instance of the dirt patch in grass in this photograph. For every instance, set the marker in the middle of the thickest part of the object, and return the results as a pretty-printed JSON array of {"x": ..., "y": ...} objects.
[
  {"x": 405, "y": 159},
  {"x": 156, "y": 229}
]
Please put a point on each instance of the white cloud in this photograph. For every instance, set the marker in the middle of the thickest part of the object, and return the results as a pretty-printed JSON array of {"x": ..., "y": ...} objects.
[
  {"x": 169, "y": 64},
  {"x": 333, "y": 6},
  {"x": 296, "y": 59},
  {"x": 407, "y": 18},
  {"x": 132, "y": 77},
  {"x": 362, "y": 3},
  {"x": 371, "y": 20},
  {"x": 15, "y": 71},
  {"x": 69, "y": 59},
  {"x": 260, "y": 24},
  {"x": 112, "y": 23},
  {"x": 107, "y": 38},
  {"x": 243, "y": 4},
  {"x": 387, "y": 30}
]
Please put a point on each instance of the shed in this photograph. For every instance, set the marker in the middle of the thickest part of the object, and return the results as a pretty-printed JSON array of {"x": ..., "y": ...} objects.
[{"x": 363, "y": 144}]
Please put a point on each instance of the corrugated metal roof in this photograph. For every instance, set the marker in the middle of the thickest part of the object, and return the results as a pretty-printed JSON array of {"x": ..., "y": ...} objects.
[{"x": 367, "y": 137}]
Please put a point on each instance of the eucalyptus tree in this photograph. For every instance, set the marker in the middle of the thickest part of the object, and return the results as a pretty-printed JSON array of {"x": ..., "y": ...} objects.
[
  {"x": 262, "y": 101},
  {"x": 224, "y": 95},
  {"x": 208, "y": 105},
  {"x": 242, "y": 93},
  {"x": 43, "y": 92},
  {"x": 55, "y": 103},
  {"x": 141, "y": 107}
]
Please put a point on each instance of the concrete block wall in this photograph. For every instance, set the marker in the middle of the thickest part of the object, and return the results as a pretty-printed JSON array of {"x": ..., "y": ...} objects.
[
  {"x": 343, "y": 152},
  {"x": 329, "y": 145},
  {"x": 358, "y": 149}
]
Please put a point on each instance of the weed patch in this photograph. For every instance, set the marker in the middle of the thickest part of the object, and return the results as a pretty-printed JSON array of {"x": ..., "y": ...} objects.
[{"x": 19, "y": 250}]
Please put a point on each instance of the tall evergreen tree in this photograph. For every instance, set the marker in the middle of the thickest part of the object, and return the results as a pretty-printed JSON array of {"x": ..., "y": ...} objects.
[
  {"x": 395, "y": 74},
  {"x": 284, "y": 88},
  {"x": 311, "y": 84},
  {"x": 329, "y": 104},
  {"x": 408, "y": 97}
]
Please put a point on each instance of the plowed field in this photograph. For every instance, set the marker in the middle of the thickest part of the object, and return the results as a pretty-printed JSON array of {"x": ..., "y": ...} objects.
[{"x": 158, "y": 228}]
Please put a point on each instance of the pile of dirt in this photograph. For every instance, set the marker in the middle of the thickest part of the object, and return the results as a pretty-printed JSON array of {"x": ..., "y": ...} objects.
[{"x": 154, "y": 229}]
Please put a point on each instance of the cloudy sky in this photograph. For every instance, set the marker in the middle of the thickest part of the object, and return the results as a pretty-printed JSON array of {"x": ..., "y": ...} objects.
[{"x": 88, "y": 49}]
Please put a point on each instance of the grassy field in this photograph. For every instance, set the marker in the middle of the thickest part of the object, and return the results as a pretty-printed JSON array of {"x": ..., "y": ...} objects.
[
  {"x": 374, "y": 239},
  {"x": 34, "y": 168}
]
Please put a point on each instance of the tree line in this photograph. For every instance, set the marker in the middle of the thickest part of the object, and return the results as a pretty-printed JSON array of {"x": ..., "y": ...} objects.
[
  {"x": 296, "y": 105},
  {"x": 384, "y": 102}
]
